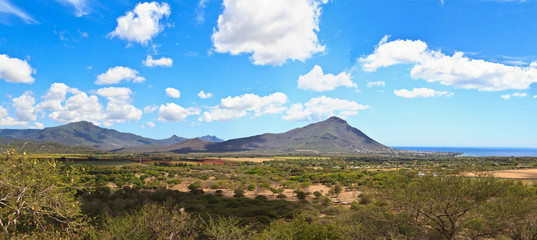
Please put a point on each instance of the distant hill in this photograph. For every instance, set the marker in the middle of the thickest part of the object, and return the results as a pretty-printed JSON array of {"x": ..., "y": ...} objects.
[
  {"x": 331, "y": 135},
  {"x": 87, "y": 134},
  {"x": 209, "y": 138},
  {"x": 188, "y": 146}
]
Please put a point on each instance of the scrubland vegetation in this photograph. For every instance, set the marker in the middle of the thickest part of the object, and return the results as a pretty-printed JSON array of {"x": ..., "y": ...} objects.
[{"x": 364, "y": 197}]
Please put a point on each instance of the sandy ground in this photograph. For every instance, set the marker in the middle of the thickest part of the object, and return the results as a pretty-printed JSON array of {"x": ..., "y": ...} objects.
[
  {"x": 517, "y": 173},
  {"x": 345, "y": 196},
  {"x": 255, "y": 160}
]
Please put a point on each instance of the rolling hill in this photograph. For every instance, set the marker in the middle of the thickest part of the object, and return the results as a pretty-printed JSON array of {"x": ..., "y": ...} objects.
[{"x": 87, "y": 134}]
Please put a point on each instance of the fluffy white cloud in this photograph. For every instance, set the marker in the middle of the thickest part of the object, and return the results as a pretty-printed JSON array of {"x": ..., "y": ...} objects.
[
  {"x": 376, "y": 84},
  {"x": 79, "y": 107},
  {"x": 81, "y": 6},
  {"x": 143, "y": 23},
  {"x": 204, "y": 95},
  {"x": 316, "y": 80},
  {"x": 150, "y": 109},
  {"x": 6, "y": 120},
  {"x": 7, "y": 7},
  {"x": 323, "y": 107},
  {"x": 421, "y": 93},
  {"x": 119, "y": 108},
  {"x": 173, "y": 93},
  {"x": 236, "y": 107},
  {"x": 172, "y": 112},
  {"x": 14, "y": 70},
  {"x": 24, "y": 107},
  {"x": 517, "y": 94},
  {"x": 117, "y": 74},
  {"x": 273, "y": 31},
  {"x": 55, "y": 96},
  {"x": 161, "y": 62},
  {"x": 457, "y": 70},
  {"x": 535, "y": 96}
]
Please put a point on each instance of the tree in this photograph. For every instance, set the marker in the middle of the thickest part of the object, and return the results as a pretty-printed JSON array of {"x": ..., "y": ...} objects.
[
  {"x": 36, "y": 196},
  {"x": 338, "y": 189},
  {"x": 195, "y": 188},
  {"x": 443, "y": 201},
  {"x": 238, "y": 193}
]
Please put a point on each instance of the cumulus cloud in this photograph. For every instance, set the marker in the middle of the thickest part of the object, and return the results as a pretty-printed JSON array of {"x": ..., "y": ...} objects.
[
  {"x": 14, "y": 70},
  {"x": 272, "y": 31},
  {"x": 143, "y": 23},
  {"x": 55, "y": 96},
  {"x": 9, "y": 8},
  {"x": 119, "y": 108},
  {"x": 376, "y": 84},
  {"x": 236, "y": 107},
  {"x": 81, "y": 6},
  {"x": 204, "y": 95},
  {"x": 161, "y": 62},
  {"x": 173, "y": 93},
  {"x": 421, "y": 93},
  {"x": 79, "y": 107},
  {"x": 456, "y": 70},
  {"x": 316, "y": 80},
  {"x": 517, "y": 94},
  {"x": 117, "y": 74},
  {"x": 172, "y": 112},
  {"x": 323, "y": 107},
  {"x": 6, "y": 120},
  {"x": 25, "y": 107}
]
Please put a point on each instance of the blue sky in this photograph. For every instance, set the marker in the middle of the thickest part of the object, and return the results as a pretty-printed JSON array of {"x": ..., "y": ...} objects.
[{"x": 407, "y": 73}]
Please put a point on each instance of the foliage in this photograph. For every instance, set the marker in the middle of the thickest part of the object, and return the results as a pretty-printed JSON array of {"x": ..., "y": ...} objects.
[{"x": 36, "y": 196}]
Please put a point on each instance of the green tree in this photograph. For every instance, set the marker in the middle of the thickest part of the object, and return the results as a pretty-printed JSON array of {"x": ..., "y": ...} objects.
[
  {"x": 36, "y": 196},
  {"x": 443, "y": 201}
]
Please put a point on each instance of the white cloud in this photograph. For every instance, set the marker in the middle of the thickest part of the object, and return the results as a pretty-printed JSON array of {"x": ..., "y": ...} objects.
[
  {"x": 200, "y": 11},
  {"x": 81, "y": 7},
  {"x": 150, "y": 109},
  {"x": 148, "y": 125},
  {"x": 119, "y": 108},
  {"x": 14, "y": 70},
  {"x": 79, "y": 107},
  {"x": 172, "y": 112},
  {"x": 535, "y": 96},
  {"x": 6, "y": 120},
  {"x": 421, "y": 93},
  {"x": 204, "y": 95},
  {"x": 376, "y": 84},
  {"x": 316, "y": 80},
  {"x": 323, "y": 107},
  {"x": 24, "y": 107},
  {"x": 143, "y": 23},
  {"x": 273, "y": 31},
  {"x": 173, "y": 93},
  {"x": 457, "y": 70},
  {"x": 517, "y": 94},
  {"x": 236, "y": 107},
  {"x": 161, "y": 62},
  {"x": 55, "y": 96},
  {"x": 7, "y": 7},
  {"x": 117, "y": 74}
]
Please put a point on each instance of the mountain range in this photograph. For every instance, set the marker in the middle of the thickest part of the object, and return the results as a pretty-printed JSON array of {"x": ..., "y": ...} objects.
[
  {"x": 333, "y": 135},
  {"x": 87, "y": 134}
]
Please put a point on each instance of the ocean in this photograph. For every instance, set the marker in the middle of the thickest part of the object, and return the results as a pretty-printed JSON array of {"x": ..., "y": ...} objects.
[{"x": 479, "y": 151}]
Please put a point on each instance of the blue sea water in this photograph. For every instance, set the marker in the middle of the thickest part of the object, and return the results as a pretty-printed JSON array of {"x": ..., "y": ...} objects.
[{"x": 479, "y": 151}]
